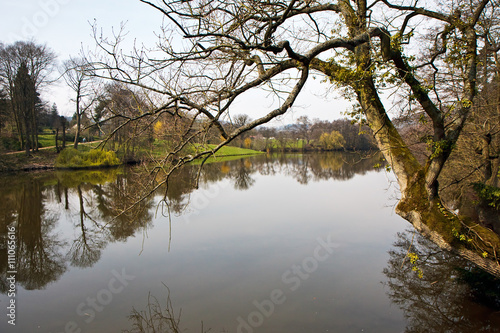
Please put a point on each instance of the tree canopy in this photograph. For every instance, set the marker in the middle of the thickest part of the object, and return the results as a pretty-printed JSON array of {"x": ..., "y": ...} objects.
[{"x": 25, "y": 68}]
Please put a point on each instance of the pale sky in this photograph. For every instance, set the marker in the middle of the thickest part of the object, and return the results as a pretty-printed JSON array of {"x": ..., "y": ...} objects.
[{"x": 65, "y": 27}]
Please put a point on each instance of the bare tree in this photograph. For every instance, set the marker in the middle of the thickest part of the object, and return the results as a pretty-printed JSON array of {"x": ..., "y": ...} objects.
[
  {"x": 304, "y": 128},
  {"x": 79, "y": 82},
  {"x": 4, "y": 108},
  {"x": 241, "y": 120},
  {"x": 38, "y": 59},
  {"x": 211, "y": 53},
  {"x": 124, "y": 114}
]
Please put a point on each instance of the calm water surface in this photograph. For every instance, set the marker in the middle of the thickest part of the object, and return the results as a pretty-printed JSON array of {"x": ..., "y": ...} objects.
[{"x": 297, "y": 243}]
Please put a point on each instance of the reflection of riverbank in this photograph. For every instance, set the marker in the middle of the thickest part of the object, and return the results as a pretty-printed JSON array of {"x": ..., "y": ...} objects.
[
  {"x": 99, "y": 202},
  {"x": 312, "y": 167},
  {"x": 111, "y": 205}
]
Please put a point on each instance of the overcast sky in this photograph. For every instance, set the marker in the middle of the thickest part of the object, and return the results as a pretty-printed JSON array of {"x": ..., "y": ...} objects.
[{"x": 65, "y": 27}]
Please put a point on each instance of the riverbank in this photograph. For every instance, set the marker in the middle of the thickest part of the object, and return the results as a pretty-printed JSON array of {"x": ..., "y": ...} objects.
[
  {"x": 41, "y": 160},
  {"x": 45, "y": 159}
]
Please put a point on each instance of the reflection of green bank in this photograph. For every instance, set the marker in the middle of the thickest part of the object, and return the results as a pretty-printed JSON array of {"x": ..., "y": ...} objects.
[
  {"x": 67, "y": 178},
  {"x": 73, "y": 178}
]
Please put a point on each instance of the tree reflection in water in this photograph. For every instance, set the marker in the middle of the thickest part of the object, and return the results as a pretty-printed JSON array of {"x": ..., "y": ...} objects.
[
  {"x": 35, "y": 205},
  {"x": 440, "y": 301},
  {"x": 96, "y": 204},
  {"x": 39, "y": 259},
  {"x": 87, "y": 246}
]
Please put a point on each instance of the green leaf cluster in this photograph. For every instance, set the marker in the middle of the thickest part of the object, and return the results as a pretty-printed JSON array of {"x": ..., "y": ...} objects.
[
  {"x": 438, "y": 147},
  {"x": 490, "y": 194},
  {"x": 413, "y": 260}
]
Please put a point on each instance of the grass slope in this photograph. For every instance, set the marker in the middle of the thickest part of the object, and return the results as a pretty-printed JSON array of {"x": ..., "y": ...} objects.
[
  {"x": 233, "y": 151},
  {"x": 226, "y": 153}
]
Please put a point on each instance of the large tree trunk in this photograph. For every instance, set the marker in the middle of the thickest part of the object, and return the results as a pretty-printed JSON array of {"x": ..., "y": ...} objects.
[
  {"x": 27, "y": 143},
  {"x": 420, "y": 203}
]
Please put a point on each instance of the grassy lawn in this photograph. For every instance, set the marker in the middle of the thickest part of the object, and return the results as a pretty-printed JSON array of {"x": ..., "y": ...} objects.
[
  {"x": 160, "y": 148},
  {"x": 226, "y": 153},
  {"x": 223, "y": 154},
  {"x": 290, "y": 144},
  {"x": 47, "y": 140}
]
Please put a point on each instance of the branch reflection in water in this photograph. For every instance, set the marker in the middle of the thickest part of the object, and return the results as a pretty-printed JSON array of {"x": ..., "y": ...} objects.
[
  {"x": 451, "y": 296},
  {"x": 156, "y": 317}
]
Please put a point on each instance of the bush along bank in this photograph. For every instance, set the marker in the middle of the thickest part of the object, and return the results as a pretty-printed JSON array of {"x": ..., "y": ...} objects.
[{"x": 71, "y": 158}]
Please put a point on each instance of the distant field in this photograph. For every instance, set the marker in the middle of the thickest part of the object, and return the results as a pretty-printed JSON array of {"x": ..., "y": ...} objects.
[
  {"x": 290, "y": 144},
  {"x": 227, "y": 153},
  {"x": 160, "y": 149}
]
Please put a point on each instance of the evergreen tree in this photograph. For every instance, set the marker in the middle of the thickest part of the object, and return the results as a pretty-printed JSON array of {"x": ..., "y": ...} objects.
[
  {"x": 24, "y": 100},
  {"x": 54, "y": 115}
]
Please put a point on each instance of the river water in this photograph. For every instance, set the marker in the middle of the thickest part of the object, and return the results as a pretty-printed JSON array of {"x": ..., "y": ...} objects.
[{"x": 290, "y": 243}]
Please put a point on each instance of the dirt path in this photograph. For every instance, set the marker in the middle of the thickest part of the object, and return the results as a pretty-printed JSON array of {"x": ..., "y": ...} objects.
[{"x": 51, "y": 147}]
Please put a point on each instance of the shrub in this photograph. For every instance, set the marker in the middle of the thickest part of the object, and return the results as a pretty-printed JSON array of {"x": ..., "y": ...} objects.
[
  {"x": 72, "y": 158},
  {"x": 10, "y": 143},
  {"x": 74, "y": 178},
  {"x": 331, "y": 141}
]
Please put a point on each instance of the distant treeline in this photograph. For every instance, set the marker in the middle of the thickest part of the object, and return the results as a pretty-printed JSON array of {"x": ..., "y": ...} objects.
[{"x": 307, "y": 135}]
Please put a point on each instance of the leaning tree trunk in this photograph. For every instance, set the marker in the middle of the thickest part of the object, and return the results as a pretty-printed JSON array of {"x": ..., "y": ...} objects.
[
  {"x": 427, "y": 214},
  {"x": 420, "y": 203}
]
